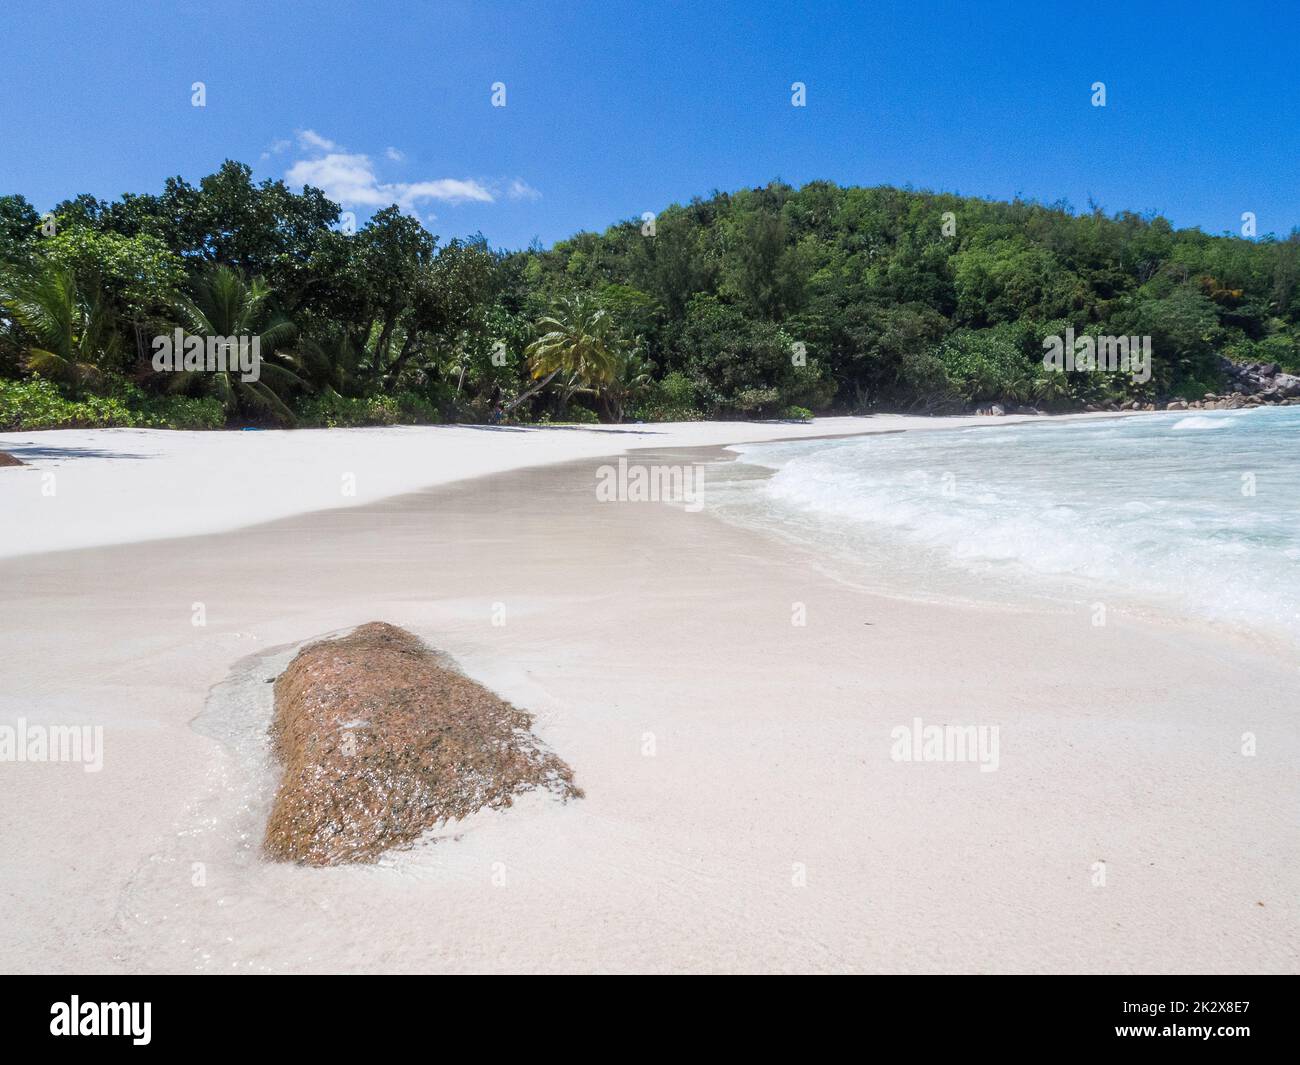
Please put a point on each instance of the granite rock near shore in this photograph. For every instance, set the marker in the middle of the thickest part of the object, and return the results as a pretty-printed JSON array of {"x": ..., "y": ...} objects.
[{"x": 382, "y": 739}]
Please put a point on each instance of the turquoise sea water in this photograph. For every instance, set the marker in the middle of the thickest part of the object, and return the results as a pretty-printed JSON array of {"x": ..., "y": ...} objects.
[{"x": 1192, "y": 514}]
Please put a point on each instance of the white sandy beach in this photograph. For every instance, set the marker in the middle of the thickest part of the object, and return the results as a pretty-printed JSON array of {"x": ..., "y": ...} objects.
[
  {"x": 742, "y": 810},
  {"x": 115, "y": 486}
]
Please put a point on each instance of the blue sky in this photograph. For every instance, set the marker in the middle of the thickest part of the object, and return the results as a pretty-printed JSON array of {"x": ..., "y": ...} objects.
[{"x": 617, "y": 108}]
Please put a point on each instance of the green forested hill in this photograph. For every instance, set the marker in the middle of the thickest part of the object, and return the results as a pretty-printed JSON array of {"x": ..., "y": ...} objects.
[{"x": 897, "y": 307}]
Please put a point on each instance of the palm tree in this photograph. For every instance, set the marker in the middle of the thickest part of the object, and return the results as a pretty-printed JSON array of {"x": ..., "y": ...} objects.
[
  {"x": 74, "y": 334},
  {"x": 632, "y": 379},
  {"x": 329, "y": 364},
  {"x": 575, "y": 345},
  {"x": 1050, "y": 388},
  {"x": 224, "y": 305}
]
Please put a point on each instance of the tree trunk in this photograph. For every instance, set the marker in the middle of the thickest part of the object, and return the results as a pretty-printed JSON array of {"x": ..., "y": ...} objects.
[
  {"x": 381, "y": 345},
  {"x": 407, "y": 350},
  {"x": 566, "y": 394},
  {"x": 531, "y": 392}
]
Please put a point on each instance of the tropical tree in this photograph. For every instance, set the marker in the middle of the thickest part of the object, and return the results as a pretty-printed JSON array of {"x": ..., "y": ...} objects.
[
  {"x": 18, "y": 222},
  {"x": 1050, "y": 388},
  {"x": 136, "y": 278},
  {"x": 73, "y": 335},
  {"x": 632, "y": 380},
  {"x": 328, "y": 363},
  {"x": 225, "y": 305},
  {"x": 576, "y": 344}
]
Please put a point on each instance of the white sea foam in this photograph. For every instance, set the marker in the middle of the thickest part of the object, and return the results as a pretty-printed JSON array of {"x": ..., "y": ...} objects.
[
  {"x": 1135, "y": 509},
  {"x": 1202, "y": 422}
]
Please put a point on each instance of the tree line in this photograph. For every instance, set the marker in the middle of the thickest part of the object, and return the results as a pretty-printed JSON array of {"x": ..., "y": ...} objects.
[{"x": 766, "y": 302}]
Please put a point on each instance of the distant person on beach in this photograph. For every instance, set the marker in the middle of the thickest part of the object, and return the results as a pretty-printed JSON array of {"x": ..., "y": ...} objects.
[{"x": 497, "y": 407}]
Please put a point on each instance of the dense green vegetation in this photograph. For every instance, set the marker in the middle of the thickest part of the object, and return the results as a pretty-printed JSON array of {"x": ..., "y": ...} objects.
[{"x": 762, "y": 303}]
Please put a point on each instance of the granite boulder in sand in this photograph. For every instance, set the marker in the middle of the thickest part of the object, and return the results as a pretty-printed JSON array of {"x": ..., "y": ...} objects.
[{"x": 381, "y": 739}]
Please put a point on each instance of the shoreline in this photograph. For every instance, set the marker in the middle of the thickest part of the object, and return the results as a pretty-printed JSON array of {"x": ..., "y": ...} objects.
[
  {"x": 1020, "y": 591},
  {"x": 769, "y": 830},
  {"x": 108, "y": 487}
]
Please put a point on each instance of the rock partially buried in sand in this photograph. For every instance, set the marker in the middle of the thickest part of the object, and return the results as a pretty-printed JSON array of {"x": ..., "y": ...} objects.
[
  {"x": 380, "y": 740},
  {"x": 7, "y": 459}
]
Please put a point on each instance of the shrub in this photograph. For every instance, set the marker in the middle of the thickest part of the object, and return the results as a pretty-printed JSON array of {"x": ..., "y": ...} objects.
[
  {"x": 1194, "y": 388},
  {"x": 34, "y": 404},
  {"x": 756, "y": 401},
  {"x": 576, "y": 414},
  {"x": 670, "y": 400},
  {"x": 1279, "y": 348},
  {"x": 416, "y": 410},
  {"x": 169, "y": 412},
  {"x": 38, "y": 404},
  {"x": 181, "y": 412},
  {"x": 333, "y": 411}
]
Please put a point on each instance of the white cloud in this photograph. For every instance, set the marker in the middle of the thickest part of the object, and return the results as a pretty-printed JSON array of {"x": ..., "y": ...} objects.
[
  {"x": 448, "y": 190},
  {"x": 276, "y": 148},
  {"x": 351, "y": 181},
  {"x": 311, "y": 140},
  {"x": 520, "y": 190}
]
